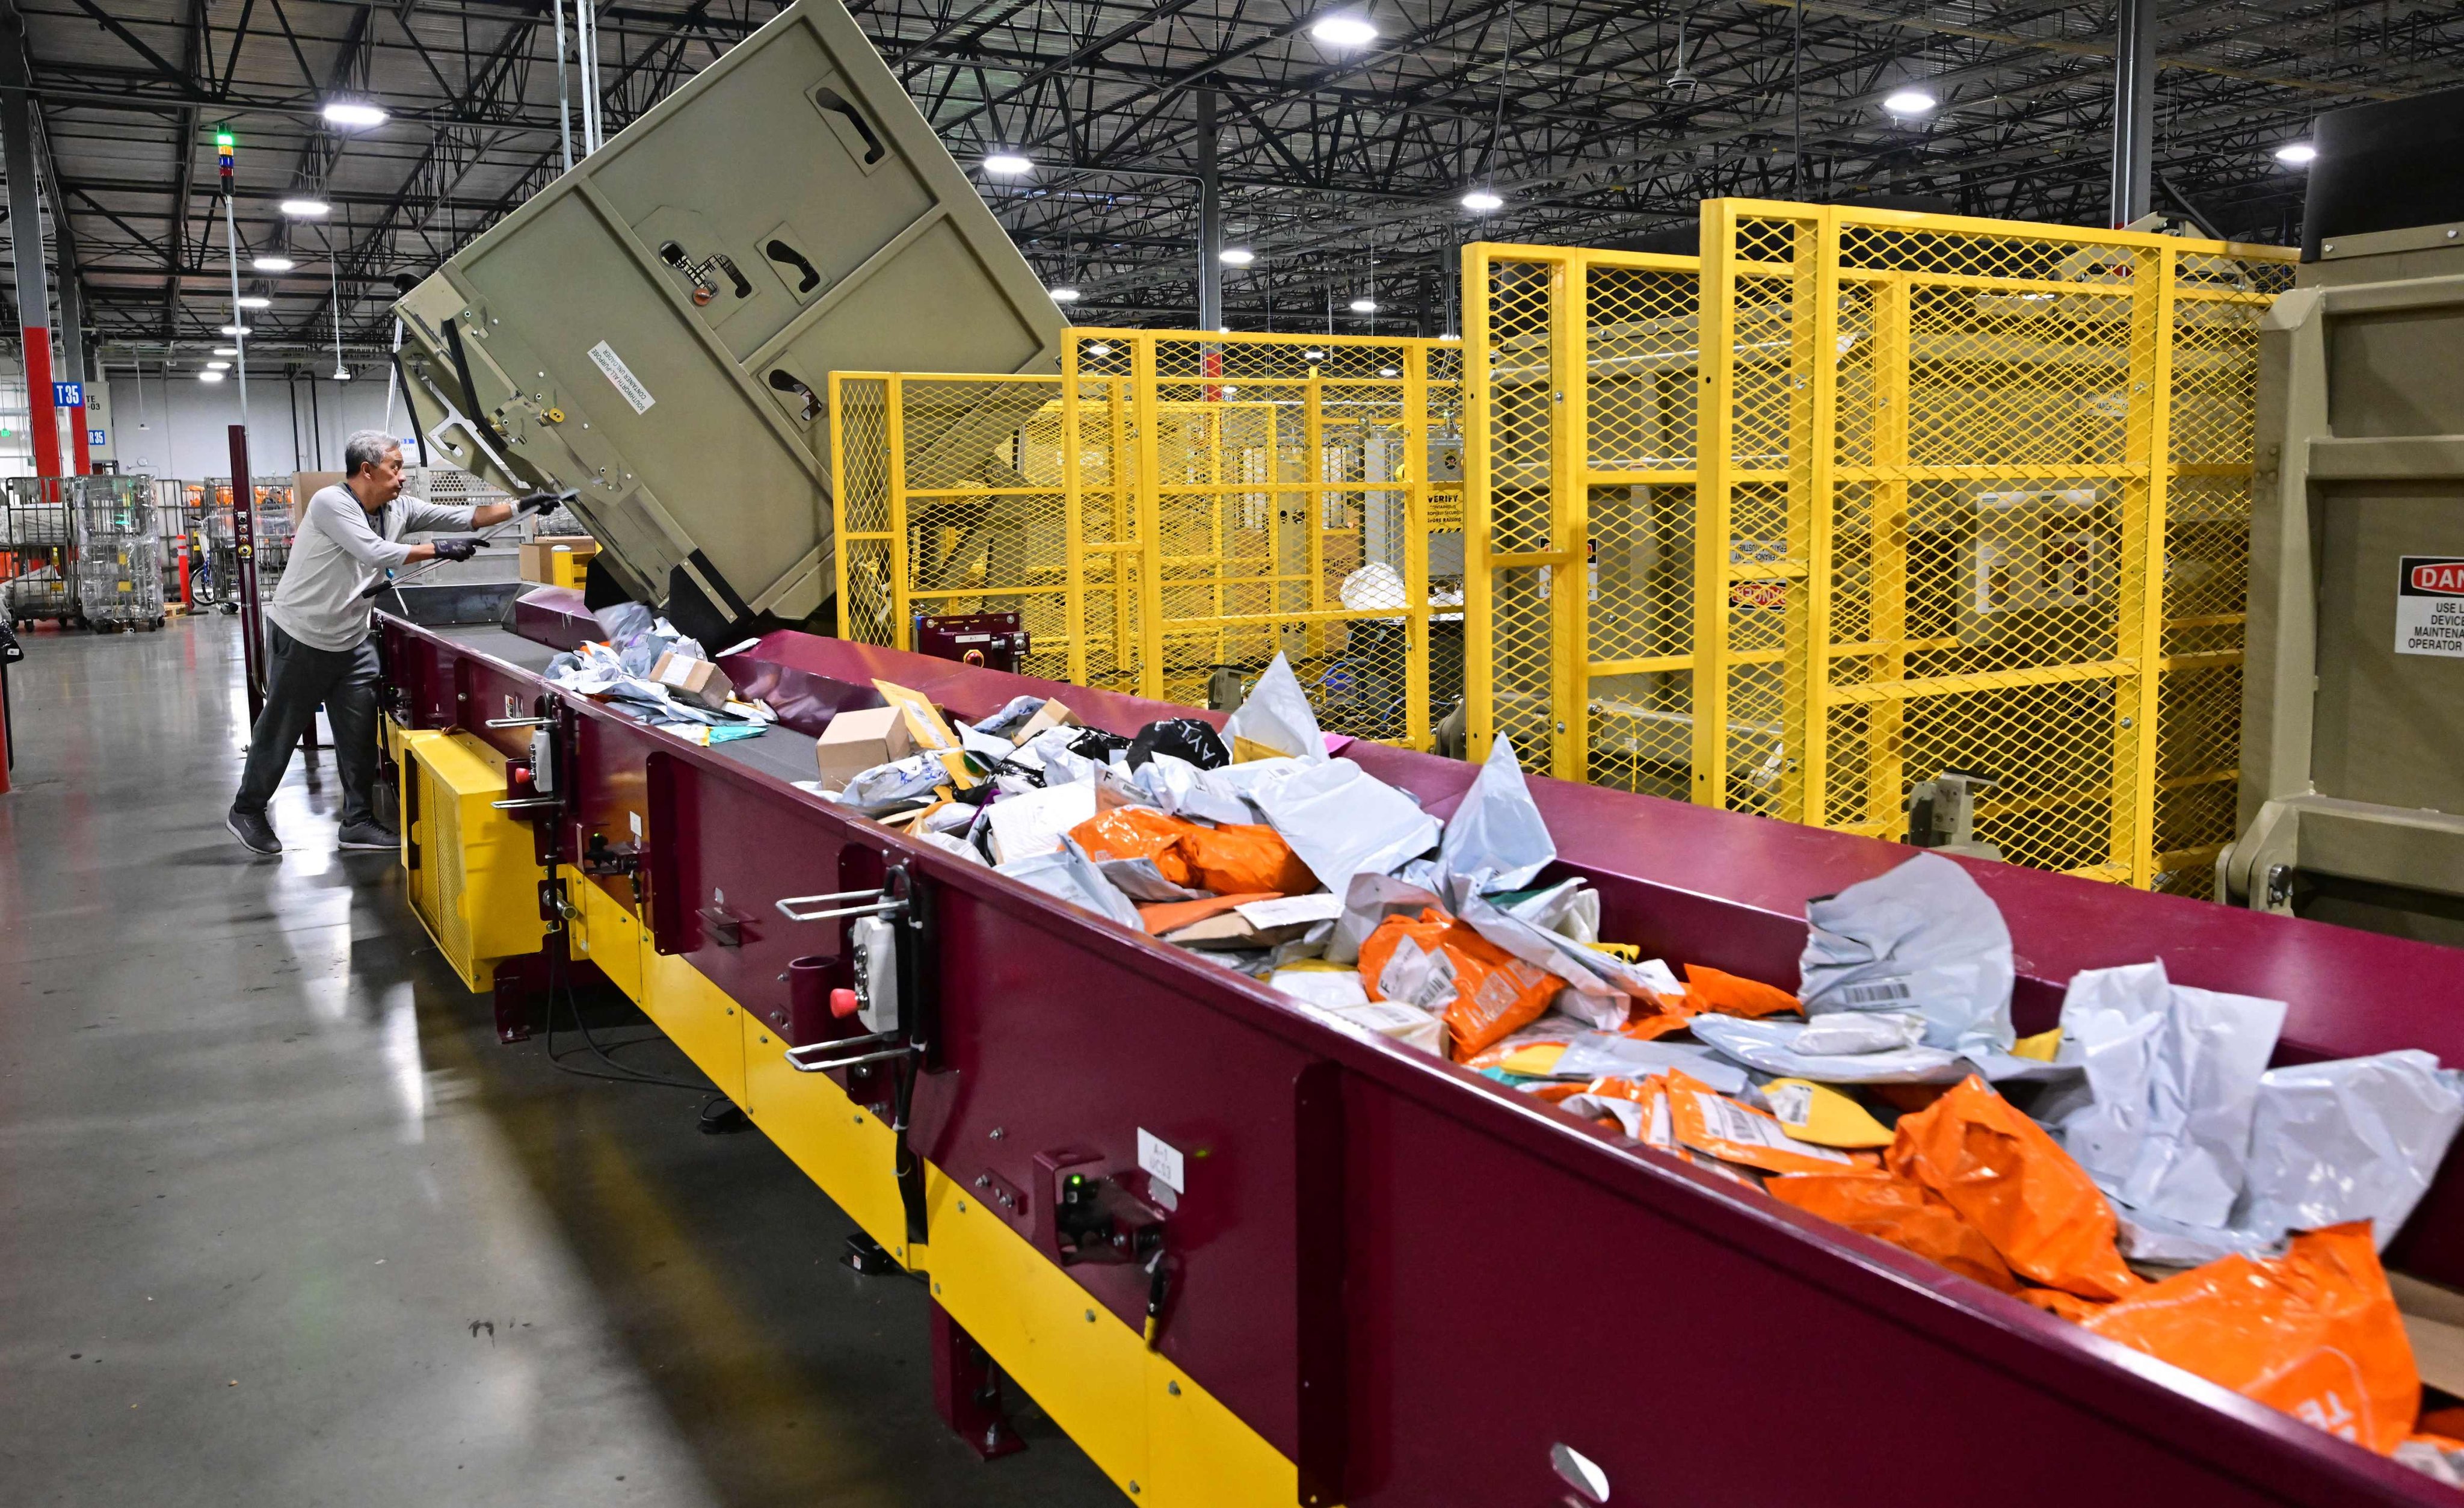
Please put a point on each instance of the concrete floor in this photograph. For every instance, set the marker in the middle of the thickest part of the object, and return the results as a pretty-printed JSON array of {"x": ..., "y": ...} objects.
[{"x": 284, "y": 1225}]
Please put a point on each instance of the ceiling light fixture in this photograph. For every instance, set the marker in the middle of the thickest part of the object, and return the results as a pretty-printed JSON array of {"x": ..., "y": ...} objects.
[
  {"x": 1236, "y": 257},
  {"x": 274, "y": 264},
  {"x": 1007, "y": 165},
  {"x": 1099, "y": 348},
  {"x": 1063, "y": 295},
  {"x": 2296, "y": 154},
  {"x": 209, "y": 375},
  {"x": 217, "y": 367},
  {"x": 306, "y": 209},
  {"x": 354, "y": 115},
  {"x": 1364, "y": 307},
  {"x": 1909, "y": 102},
  {"x": 231, "y": 330},
  {"x": 226, "y": 350},
  {"x": 1344, "y": 31},
  {"x": 1312, "y": 356},
  {"x": 1482, "y": 201},
  {"x": 253, "y": 301}
]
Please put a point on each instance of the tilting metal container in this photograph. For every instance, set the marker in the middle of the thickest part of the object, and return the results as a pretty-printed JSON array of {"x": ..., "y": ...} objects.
[
  {"x": 657, "y": 327},
  {"x": 2352, "y": 793}
]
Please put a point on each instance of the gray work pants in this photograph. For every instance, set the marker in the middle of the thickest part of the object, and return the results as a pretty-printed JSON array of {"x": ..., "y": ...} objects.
[{"x": 299, "y": 678}]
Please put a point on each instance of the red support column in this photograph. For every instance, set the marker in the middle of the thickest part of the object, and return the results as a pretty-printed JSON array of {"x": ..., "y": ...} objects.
[
  {"x": 83, "y": 449},
  {"x": 43, "y": 420}
]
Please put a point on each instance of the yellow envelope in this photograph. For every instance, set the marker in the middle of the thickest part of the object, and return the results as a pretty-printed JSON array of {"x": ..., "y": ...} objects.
[{"x": 1823, "y": 1116}]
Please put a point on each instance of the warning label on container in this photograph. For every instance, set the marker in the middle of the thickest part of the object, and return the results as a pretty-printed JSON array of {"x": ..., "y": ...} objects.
[
  {"x": 2429, "y": 606},
  {"x": 603, "y": 357}
]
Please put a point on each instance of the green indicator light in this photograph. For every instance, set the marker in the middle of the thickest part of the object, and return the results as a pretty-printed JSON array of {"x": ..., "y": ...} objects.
[{"x": 225, "y": 139}]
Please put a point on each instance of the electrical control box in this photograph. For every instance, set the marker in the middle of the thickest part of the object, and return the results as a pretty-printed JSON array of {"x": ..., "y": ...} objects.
[{"x": 874, "y": 944}]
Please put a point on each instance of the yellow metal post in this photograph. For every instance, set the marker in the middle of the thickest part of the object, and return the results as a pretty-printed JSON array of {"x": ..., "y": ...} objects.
[
  {"x": 838, "y": 505},
  {"x": 2151, "y": 445},
  {"x": 1570, "y": 524},
  {"x": 1714, "y": 428},
  {"x": 1888, "y": 615},
  {"x": 1072, "y": 524},
  {"x": 894, "y": 431},
  {"x": 1417, "y": 629},
  {"x": 1480, "y": 710},
  {"x": 1813, "y": 495},
  {"x": 1149, "y": 516}
]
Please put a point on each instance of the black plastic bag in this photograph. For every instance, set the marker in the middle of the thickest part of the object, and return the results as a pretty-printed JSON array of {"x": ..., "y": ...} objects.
[
  {"x": 1096, "y": 744},
  {"x": 1191, "y": 739}
]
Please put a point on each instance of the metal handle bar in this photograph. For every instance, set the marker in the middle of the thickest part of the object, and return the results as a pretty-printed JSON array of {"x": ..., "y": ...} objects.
[
  {"x": 527, "y": 800},
  {"x": 875, "y": 1039},
  {"x": 858, "y": 1061},
  {"x": 787, "y": 905},
  {"x": 521, "y": 722}
]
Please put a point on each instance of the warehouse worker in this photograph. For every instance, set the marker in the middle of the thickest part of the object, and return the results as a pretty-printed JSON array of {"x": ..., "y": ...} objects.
[{"x": 319, "y": 649}]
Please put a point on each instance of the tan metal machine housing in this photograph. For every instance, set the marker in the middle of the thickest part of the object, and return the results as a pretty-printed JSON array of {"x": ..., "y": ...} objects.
[
  {"x": 657, "y": 327},
  {"x": 2352, "y": 775}
]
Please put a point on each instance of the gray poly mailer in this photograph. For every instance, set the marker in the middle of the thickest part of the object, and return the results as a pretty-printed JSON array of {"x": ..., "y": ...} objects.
[{"x": 1922, "y": 937}]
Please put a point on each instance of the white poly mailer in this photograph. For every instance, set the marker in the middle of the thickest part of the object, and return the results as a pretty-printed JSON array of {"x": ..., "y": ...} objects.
[
  {"x": 1068, "y": 873},
  {"x": 2356, "y": 1139},
  {"x": 1368, "y": 901},
  {"x": 2174, "y": 1075},
  {"x": 1275, "y": 719},
  {"x": 1343, "y": 821},
  {"x": 1496, "y": 837},
  {"x": 2213, "y": 1050},
  {"x": 2113, "y": 1021},
  {"x": 1922, "y": 937}
]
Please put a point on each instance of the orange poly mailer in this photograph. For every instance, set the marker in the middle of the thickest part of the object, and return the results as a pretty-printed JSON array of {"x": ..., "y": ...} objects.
[
  {"x": 1484, "y": 991},
  {"x": 1246, "y": 856},
  {"x": 2006, "y": 1177},
  {"x": 1139, "y": 833},
  {"x": 2314, "y": 1332},
  {"x": 2068, "y": 1306},
  {"x": 1711, "y": 1122},
  {"x": 1733, "y": 995},
  {"x": 1903, "y": 1213}
]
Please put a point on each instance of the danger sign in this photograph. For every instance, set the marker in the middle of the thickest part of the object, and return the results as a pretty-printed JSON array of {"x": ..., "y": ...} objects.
[{"x": 2429, "y": 606}]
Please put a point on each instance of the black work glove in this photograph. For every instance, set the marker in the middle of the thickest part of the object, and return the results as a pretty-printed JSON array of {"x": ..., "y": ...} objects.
[
  {"x": 543, "y": 501},
  {"x": 457, "y": 549}
]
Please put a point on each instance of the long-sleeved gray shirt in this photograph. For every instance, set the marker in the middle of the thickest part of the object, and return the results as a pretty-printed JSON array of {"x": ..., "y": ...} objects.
[{"x": 338, "y": 551}]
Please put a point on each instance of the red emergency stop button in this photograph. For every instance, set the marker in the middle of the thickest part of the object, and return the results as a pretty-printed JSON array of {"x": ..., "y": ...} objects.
[{"x": 843, "y": 1002}]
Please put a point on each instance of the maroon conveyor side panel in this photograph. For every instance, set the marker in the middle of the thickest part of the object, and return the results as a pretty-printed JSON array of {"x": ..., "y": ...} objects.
[{"x": 1413, "y": 1281}]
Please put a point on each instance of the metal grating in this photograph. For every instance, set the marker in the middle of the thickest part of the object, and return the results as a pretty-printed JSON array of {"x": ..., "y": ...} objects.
[
  {"x": 1974, "y": 494},
  {"x": 1173, "y": 507}
]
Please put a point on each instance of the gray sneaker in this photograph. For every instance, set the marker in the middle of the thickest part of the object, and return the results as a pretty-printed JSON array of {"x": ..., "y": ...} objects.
[
  {"x": 371, "y": 835},
  {"x": 254, "y": 831}
]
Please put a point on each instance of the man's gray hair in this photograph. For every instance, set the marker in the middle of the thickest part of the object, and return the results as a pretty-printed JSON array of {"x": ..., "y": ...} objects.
[{"x": 366, "y": 447}]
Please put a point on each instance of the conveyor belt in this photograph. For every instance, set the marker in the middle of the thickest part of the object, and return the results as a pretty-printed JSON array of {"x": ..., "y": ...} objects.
[{"x": 1392, "y": 1281}]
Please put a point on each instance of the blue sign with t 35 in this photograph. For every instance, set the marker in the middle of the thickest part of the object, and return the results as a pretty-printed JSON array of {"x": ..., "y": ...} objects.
[{"x": 68, "y": 396}]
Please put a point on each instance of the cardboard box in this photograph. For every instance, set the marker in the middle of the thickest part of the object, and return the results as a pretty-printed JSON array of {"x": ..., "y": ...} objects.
[
  {"x": 1052, "y": 715},
  {"x": 697, "y": 681},
  {"x": 538, "y": 555},
  {"x": 855, "y": 741}
]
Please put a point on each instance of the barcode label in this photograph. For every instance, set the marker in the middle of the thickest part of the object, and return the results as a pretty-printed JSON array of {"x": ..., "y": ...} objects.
[
  {"x": 1792, "y": 1104},
  {"x": 1876, "y": 992}
]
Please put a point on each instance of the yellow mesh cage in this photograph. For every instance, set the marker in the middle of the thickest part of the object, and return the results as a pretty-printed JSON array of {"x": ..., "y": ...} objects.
[
  {"x": 1174, "y": 510},
  {"x": 1857, "y": 497}
]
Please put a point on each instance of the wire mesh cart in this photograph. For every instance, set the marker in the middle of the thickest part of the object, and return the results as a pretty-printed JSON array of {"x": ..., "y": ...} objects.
[
  {"x": 117, "y": 568},
  {"x": 37, "y": 537}
]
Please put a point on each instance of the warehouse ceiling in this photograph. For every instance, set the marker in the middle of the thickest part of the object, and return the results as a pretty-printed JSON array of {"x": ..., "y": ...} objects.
[{"x": 1343, "y": 167}]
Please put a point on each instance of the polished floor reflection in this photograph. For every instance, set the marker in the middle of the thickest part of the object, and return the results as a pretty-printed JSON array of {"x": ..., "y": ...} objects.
[{"x": 280, "y": 1223}]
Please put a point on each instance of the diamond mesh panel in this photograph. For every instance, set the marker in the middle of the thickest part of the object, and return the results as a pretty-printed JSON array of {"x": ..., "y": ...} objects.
[{"x": 1186, "y": 505}]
